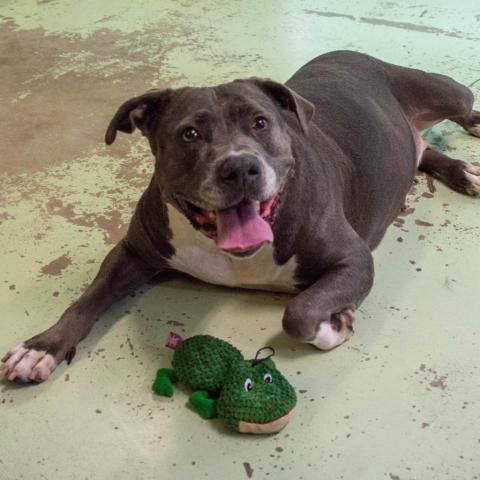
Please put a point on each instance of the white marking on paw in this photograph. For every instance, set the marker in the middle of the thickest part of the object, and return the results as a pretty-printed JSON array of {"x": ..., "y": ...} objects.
[
  {"x": 43, "y": 368},
  {"x": 13, "y": 356},
  {"x": 11, "y": 352},
  {"x": 329, "y": 337},
  {"x": 28, "y": 364},
  {"x": 472, "y": 173},
  {"x": 475, "y": 130}
]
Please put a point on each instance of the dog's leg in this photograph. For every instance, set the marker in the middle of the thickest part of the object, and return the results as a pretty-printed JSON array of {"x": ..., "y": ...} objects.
[
  {"x": 429, "y": 98},
  {"x": 34, "y": 360},
  {"x": 450, "y": 100},
  {"x": 322, "y": 314},
  {"x": 459, "y": 176},
  {"x": 470, "y": 122}
]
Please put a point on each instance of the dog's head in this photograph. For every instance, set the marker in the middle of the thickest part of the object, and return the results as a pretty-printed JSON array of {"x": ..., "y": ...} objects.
[{"x": 223, "y": 154}]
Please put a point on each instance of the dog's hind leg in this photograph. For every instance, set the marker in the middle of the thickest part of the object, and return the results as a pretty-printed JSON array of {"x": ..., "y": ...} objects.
[
  {"x": 471, "y": 123},
  {"x": 456, "y": 174},
  {"x": 427, "y": 99}
]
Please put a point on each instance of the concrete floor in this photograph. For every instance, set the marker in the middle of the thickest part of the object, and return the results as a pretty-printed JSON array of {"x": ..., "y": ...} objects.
[{"x": 400, "y": 401}]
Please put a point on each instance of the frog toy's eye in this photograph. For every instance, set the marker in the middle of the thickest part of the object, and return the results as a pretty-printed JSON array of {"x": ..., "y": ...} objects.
[
  {"x": 248, "y": 385},
  {"x": 268, "y": 378}
]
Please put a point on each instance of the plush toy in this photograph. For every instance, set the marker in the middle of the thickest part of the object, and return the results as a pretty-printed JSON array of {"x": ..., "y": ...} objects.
[{"x": 250, "y": 396}]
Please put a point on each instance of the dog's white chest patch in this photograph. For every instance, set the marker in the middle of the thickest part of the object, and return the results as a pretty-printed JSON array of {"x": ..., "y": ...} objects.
[{"x": 198, "y": 256}]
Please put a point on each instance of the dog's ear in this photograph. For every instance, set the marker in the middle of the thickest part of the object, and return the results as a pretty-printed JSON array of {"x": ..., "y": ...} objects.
[
  {"x": 138, "y": 112},
  {"x": 288, "y": 100}
]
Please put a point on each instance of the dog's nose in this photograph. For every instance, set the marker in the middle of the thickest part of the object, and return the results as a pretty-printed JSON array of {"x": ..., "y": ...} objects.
[{"x": 238, "y": 170}]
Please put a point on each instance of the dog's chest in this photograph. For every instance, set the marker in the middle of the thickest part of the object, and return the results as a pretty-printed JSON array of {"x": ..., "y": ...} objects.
[{"x": 198, "y": 256}]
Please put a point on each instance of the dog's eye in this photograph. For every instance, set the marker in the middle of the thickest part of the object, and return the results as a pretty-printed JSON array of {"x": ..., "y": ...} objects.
[
  {"x": 190, "y": 134},
  {"x": 260, "y": 123},
  {"x": 248, "y": 385},
  {"x": 267, "y": 378}
]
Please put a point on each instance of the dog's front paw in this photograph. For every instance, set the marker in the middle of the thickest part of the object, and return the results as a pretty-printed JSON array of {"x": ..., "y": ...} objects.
[
  {"x": 311, "y": 325},
  {"x": 28, "y": 364},
  {"x": 335, "y": 331}
]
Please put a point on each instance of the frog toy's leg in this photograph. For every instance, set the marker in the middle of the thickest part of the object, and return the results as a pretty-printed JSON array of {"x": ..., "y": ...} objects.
[
  {"x": 164, "y": 380},
  {"x": 206, "y": 407}
]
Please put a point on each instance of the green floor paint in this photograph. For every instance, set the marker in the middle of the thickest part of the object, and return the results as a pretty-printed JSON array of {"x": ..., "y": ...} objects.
[{"x": 399, "y": 401}]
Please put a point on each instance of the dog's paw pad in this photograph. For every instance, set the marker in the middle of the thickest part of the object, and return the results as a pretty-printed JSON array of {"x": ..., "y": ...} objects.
[
  {"x": 334, "y": 332},
  {"x": 27, "y": 364},
  {"x": 472, "y": 174}
]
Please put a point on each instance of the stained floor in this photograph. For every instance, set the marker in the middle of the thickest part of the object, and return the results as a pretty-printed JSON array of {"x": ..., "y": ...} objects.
[{"x": 400, "y": 401}]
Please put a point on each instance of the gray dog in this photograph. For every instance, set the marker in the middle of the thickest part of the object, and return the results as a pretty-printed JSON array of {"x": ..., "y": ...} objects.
[{"x": 281, "y": 187}]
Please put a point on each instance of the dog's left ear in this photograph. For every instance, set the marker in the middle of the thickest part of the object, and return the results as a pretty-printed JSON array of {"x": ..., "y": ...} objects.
[
  {"x": 288, "y": 100},
  {"x": 138, "y": 112}
]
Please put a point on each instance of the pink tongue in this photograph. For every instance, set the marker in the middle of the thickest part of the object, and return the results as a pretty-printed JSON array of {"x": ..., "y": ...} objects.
[{"x": 241, "y": 227}]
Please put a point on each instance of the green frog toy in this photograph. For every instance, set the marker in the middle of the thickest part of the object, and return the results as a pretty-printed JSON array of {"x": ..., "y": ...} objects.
[{"x": 250, "y": 396}]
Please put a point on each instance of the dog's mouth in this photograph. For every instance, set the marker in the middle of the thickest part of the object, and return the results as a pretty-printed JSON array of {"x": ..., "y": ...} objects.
[{"x": 241, "y": 229}]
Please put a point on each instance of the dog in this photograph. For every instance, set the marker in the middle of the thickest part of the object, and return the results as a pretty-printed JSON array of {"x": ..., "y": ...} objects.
[{"x": 264, "y": 185}]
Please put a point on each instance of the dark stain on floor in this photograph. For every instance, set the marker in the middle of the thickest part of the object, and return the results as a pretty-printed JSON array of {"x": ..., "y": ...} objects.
[
  {"x": 61, "y": 89},
  {"x": 431, "y": 377},
  {"x": 423, "y": 223},
  {"x": 110, "y": 222},
  {"x": 248, "y": 469},
  {"x": 412, "y": 27},
  {"x": 56, "y": 267}
]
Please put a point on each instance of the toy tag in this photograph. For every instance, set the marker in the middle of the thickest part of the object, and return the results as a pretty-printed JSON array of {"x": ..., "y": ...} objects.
[
  {"x": 259, "y": 357},
  {"x": 173, "y": 340}
]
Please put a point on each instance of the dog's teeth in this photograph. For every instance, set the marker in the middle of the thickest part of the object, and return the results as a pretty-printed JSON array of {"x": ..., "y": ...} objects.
[
  {"x": 211, "y": 215},
  {"x": 257, "y": 205}
]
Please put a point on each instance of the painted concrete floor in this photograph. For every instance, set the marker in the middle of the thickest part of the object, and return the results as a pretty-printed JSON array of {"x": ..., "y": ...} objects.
[{"x": 400, "y": 401}]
